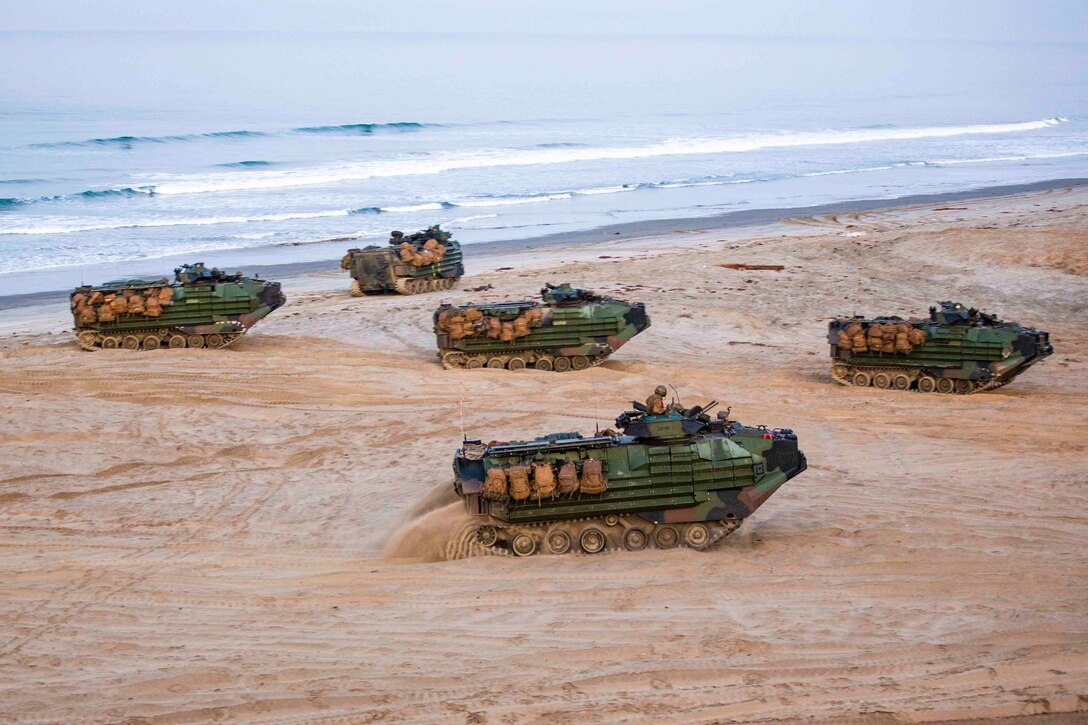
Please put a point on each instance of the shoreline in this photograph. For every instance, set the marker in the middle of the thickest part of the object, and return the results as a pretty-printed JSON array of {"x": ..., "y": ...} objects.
[{"x": 633, "y": 230}]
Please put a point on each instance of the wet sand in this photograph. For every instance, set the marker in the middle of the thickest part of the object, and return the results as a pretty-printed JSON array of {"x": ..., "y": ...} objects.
[{"x": 194, "y": 535}]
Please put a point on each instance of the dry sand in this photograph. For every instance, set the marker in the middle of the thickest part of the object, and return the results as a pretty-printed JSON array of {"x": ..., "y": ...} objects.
[{"x": 194, "y": 536}]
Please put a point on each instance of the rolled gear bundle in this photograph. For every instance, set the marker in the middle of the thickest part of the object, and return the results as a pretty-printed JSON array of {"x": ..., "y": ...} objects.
[
  {"x": 494, "y": 487},
  {"x": 916, "y": 337},
  {"x": 518, "y": 478},
  {"x": 95, "y": 298},
  {"x": 521, "y": 327},
  {"x": 106, "y": 314},
  {"x": 78, "y": 301},
  {"x": 87, "y": 315},
  {"x": 902, "y": 343},
  {"x": 593, "y": 480},
  {"x": 853, "y": 328},
  {"x": 119, "y": 304},
  {"x": 535, "y": 317},
  {"x": 444, "y": 320},
  {"x": 152, "y": 307},
  {"x": 543, "y": 480},
  {"x": 843, "y": 341},
  {"x": 904, "y": 327},
  {"x": 135, "y": 304},
  {"x": 507, "y": 334},
  {"x": 473, "y": 315},
  {"x": 407, "y": 251},
  {"x": 875, "y": 330},
  {"x": 859, "y": 343},
  {"x": 568, "y": 478},
  {"x": 493, "y": 327},
  {"x": 345, "y": 261}
]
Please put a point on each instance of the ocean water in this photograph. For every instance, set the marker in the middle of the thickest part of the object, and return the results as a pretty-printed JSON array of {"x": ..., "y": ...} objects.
[{"x": 126, "y": 153}]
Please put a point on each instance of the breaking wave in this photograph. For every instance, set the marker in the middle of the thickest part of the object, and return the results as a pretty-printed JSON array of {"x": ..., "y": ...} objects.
[
  {"x": 354, "y": 129},
  {"x": 449, "y": 161},
  {"x": 65, "y": 226},
  {"x": 246, "y": 164},
  {"x": 367, "y": 128}
]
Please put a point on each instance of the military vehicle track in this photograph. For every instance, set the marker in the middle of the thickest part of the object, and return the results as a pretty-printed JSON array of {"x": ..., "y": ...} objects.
[
  {"x": 521, "y": 359},
  {"x": 598, "y": 535},
  {"x": 409, "y": 286},
  {"x": 907, "y": 379},
  {"x": 154, "y": 340}
]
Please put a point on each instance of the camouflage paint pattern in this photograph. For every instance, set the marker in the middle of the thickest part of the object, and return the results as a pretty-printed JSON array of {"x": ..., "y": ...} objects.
[
  {"x": 203, "y": 304},
  {"x": 577, "y": 328},
  {"x": 961, "y": 345},
  {"x": 710, "y": 471},
  {"x": 376, "y": 269}
]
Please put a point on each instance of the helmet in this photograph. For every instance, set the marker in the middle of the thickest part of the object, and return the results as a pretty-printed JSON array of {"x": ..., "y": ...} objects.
[{"x": 660, "y": 390}]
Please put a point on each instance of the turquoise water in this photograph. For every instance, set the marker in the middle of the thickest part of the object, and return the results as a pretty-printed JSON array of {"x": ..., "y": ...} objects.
[{"x": 120, "y": 153}]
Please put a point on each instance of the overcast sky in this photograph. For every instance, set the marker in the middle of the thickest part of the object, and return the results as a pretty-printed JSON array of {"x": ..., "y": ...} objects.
[{"x": 1035, "y": 20}]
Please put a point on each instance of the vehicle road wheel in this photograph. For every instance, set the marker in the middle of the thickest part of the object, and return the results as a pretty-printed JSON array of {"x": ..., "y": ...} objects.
[
  {"x": 196, "y": 341},
  {"x": 901, "y": 382},
  {"x": 927, "y": 384},
  {"x": 840, "y": 372},
  {"x": 558, "y": 542},
  {"x": 882, "y": 381},
  {"x": 945, "y": 385},
  {"x": 130, "y": 342},
  {"x": 635, "y": 540},
  {"x": 175, "y": 342},
  {"x": 516, "y": 363},
  {"x": 523, "y": 545},
  {"x": 543, "y": 364},
  {"x": 496, "y": 363},
  {"x": 152, "y": 343},
  {"x": 696, "y": 536},
  {"x": 562, "y": 364},
  {"x": 666, "y": 537},
  {"x": 110, "y": 342},
  {"x": 963, "y": 387},
  {"x": 88, "y": 339},
  {"x": 579, "y": 362},
  {"x": 861, "y": 379},
  {"x": 474, "y": 362},
  {"x": 487, "y": 535},
  {"x": 592, "y": 541},
  {"x": 215, "y": 340}
]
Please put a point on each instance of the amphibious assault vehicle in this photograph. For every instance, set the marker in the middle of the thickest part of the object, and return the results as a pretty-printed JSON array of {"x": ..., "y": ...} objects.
[
  {"x": 422, "y": 262},
  {"x": 571, "y": 330},
  {"x": 956, "y": 350},
  {"x": 201, "y": 308},
  {"x": 679, "y": 478}
]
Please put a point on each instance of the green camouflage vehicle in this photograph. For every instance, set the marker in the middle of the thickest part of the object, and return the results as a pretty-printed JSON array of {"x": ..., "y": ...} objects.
[
  {"x": 422, "y": 262},
  {"x": 572, "y": 330},
  {"x": 957, "y": 350},
  {"x": 201, "y": 308},
  {"x": 673, "y": 479}
]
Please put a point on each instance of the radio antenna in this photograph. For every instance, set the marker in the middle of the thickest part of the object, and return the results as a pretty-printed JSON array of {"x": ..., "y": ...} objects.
[{"x": 677, "y": 392}]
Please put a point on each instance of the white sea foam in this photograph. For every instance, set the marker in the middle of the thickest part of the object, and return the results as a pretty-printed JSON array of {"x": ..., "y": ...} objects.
[
  {"x": 68, "y": 226},
  {"x": 474, "y": 217},
  {"x": 512, "y": 200},
  {"x": 429, "y": 206},
  {"x": 437, "y": 163}
]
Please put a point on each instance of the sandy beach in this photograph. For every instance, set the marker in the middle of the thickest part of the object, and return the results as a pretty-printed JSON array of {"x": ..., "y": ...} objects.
[{"x": 262, "y": 534}]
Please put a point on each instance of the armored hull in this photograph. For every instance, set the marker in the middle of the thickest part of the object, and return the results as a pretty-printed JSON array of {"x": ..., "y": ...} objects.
[
  {"x": 201, "y": 308},
  {"x": 678, "y": 479},
  {"x": 956, "y": 350},
  {"x": 571, "y": 329},
  {"x": 422, "y": 262}
]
